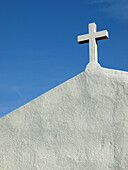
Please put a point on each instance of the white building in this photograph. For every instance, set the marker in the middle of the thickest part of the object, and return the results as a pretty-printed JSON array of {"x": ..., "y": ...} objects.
[{"x": 81, "y": 124}]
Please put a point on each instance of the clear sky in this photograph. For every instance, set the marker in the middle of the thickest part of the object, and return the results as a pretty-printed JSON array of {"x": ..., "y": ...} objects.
[{"x": 39, "y": 49}]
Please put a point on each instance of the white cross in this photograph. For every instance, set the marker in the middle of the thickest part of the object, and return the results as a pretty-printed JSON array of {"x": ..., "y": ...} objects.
[{"x": 92, "y": 38}]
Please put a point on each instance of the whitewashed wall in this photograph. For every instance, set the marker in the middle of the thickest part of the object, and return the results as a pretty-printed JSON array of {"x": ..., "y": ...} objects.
[{"x": 80, "y": 125}]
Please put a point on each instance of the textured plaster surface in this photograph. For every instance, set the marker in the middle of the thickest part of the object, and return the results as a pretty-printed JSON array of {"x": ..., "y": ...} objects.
[{"x": 81, "y": 124}]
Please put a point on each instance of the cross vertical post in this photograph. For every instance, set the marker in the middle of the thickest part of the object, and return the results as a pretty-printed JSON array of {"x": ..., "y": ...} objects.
[{"x": 92, "y": 43}]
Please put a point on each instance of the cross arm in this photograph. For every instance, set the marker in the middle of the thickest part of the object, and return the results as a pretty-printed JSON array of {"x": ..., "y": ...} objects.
[
  {"x": 101, "y": 35},
  {"x": 83, "y": 38}
]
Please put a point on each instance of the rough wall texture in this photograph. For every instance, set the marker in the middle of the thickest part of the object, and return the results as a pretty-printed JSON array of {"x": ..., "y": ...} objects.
[{"x": 80, "y": 125}]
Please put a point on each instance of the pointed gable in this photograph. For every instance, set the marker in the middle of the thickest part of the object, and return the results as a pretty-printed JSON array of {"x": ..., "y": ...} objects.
[{"x": 80, "y": 124}]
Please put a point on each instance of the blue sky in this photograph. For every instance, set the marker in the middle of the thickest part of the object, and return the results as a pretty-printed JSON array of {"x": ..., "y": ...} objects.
[{"x": 39, "y": 49}]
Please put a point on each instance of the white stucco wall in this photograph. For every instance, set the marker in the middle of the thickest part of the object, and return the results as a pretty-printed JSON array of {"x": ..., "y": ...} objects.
[{"x": 81, "y": 124}]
